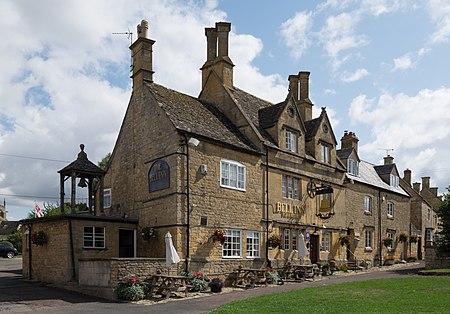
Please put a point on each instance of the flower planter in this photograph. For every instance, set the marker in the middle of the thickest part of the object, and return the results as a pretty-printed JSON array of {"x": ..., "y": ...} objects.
[{"x": 216, "y": 289}]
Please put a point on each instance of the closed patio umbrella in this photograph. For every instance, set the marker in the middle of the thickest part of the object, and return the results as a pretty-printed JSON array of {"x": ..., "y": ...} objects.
[
  {"x": 171, "y": 254},
  {"x": 302, "y": 249}
]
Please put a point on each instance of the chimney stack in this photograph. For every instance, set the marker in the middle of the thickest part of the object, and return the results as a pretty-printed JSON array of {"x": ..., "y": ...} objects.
[
  {"x": 434, "y": 191},
  {"x": 388, "y": 160},
  {"x": 425, "y": 183},
  {"x": 416, "y": 187},
  {"x": 217, "y": 58},
  {"x": 407, "y": 176},
  {"x": 293, "y": 87},
  {"x": 349, "y": 140},
  {"x": 141, "y": 52},
  {"x": 301, "y": 88}
]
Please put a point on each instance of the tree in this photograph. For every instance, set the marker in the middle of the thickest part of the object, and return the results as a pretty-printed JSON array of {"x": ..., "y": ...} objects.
[
  {"x": 444, "y": 214},
  {"x": 53, "y": 209},
  {"x": 104, "y": 162},
  {"x": 16, "y": 239}
]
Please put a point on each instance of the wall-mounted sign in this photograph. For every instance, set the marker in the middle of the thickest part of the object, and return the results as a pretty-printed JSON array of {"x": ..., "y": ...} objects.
[
  {"x": 158, "y": 176},
  {"x": 289, "y": 210}
]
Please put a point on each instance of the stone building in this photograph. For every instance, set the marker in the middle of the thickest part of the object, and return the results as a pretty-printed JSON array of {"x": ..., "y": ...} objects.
[
  {"x": 247, "y": 173},
  {"x": 226, "y": 161},
  {"x": 377, "y": 206}
]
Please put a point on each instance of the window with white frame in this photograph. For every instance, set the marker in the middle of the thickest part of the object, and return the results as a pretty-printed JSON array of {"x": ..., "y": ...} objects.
[
  {"x": 290, "y": 187},
  {"x": 106, "y": 198},
  {"x": 353, "y": 167},
  {"x": 232, "y": 175},
  {"x": 233, "y": 243},
  {"x": 326, "y": 240},
  {"x": 394, "y": 180},
  {"x": 294, "y": 239},
  {"x": 94, "y": 237},
  {"x": 368, "y": 204},
  {"x": 287, "y": 239},
  {"x": 368, "y": 239},
  {"x": 391, "y": 235},
  {"x": 291, "y": 141},
  {"x": 325, "y": 153},
  {"x": 390, "y": 210},
  {"x": 253, "y": 244}
]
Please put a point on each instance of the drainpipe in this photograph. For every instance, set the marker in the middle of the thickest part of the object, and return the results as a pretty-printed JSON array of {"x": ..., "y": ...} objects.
[
  {"x": 268, "y": 263},
  {"x": 188, "y": 221},
  {"x": 380, "y": 244},
  {"x": 72, "y": 254},
  {"x": 29, "y": 252}
]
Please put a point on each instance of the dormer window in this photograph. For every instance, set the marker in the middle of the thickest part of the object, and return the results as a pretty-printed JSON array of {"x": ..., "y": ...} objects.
[
  {"x": 291, "y": 141},
  {"x": 394, "y": 181},
  {"x": 325, "y": 153},
  {"x": 353, "y": 167}
]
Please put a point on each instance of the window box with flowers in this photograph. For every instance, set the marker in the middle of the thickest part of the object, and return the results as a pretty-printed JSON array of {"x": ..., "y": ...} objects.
[
  {"x": 219, "y": 235},
  {"x": 39, "y": 238},
  {"x": 274, "y": 241},
  {"x": 344, "y": 240}
]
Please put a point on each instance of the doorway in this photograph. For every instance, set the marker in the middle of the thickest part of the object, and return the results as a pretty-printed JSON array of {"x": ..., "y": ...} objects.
[
  {"x": 314, "y": 248},
  {"x": 127, "y": 243}
]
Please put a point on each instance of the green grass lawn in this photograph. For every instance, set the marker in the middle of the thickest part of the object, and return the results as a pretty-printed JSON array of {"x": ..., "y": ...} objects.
[{"x": 415, "y": 294}]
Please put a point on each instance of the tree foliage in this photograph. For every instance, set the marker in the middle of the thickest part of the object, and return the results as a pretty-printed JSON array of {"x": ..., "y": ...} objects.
[
  {"x": 16, "y": 239},
  {"x": 444, "y": 215},
  {"x": 53, "y": 209},
  {"x": 104, "y": 162}
]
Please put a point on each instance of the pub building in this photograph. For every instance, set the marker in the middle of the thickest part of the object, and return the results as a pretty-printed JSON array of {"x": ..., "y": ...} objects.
[{"x": 228, "y": 161}]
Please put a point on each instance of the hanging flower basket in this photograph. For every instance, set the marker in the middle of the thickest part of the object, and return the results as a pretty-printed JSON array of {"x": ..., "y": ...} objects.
[
  {"x": 39, "y": 238},
  {"x": 387, "y": 241},
  {"x": 344, "y": 240},
  {"x": 403, "y": 237},
  {"x": 219, "y": 235},
  {"x": 148, "y": 233},
  {"x": 274, "y": 241},
  {"x": 412, "y": 238}
]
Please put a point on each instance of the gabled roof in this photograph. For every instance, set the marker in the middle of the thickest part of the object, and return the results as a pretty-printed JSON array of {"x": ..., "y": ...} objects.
[
  {"x": 368, "y": 175},
  {"x": 270, "y": 115},
  {"x": 384, "y": 169},
  {"x": 185, "y": 112},
  {"x": 344, "y": 153},
  {"x": 82, "y": 165},
  {"x": 312, "y": 127}
]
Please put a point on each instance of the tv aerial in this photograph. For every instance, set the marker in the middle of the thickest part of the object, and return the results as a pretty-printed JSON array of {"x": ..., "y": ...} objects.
[
  {"x": 129, "y": 35},
  {"x": 387, "y": 150}
]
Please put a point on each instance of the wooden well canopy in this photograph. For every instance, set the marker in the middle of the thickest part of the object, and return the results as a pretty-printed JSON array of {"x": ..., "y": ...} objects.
[{"x": 89, "y": 175}]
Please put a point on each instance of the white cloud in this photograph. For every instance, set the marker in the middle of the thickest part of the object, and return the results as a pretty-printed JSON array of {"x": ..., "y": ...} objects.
[
  {"x": 402, "y": 63},
  {"x": 339, "y": 34},
  {"x": 355, "y": 76},
  {"x": 417, "y": 127},
  {"x": 295, "y": 31},
  {"x": 440, "y": 14}
]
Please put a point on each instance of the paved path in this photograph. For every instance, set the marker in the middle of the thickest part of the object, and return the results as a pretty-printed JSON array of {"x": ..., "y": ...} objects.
[{"x": 20, "y": 296}]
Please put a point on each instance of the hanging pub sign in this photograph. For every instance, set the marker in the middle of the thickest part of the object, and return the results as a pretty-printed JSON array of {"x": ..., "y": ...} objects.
[{"x": 158, "y": 176}]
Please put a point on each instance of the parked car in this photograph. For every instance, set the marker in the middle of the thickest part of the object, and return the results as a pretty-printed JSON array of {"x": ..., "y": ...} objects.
[{"x": 7, "y": 251}]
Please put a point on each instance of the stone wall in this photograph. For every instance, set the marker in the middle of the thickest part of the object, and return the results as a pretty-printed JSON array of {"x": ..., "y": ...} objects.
[{"x": 434, "y": 260}]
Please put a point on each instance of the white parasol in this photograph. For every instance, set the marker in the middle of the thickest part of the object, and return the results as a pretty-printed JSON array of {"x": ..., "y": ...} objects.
[
  {"x": 302, "y": 249},
  {"x": 171, "y": 254}
]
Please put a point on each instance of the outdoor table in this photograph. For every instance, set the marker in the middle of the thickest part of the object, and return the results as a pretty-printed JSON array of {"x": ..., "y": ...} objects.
[
  {"x": 166, "y": 284},
  {"x": 303, "y": 271},
  {"x": 250, "y": 276}
]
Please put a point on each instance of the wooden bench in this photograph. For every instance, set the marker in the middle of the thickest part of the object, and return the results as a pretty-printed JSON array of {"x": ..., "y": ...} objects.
[
  {"x": 166, "y": 284},
  {"x": 249, "y": 277}
]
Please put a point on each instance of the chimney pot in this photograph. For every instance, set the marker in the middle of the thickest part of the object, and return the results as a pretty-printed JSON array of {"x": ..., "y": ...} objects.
[
  {"x": 425, "y": 183},
  {"x": 142, "y": 29},
  {"x": 416, "y": 187},
  {"x": 349, "y": 140}
]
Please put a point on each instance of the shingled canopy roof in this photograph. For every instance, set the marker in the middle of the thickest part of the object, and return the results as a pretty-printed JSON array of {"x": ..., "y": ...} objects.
[{"x": 82, "y": 165}]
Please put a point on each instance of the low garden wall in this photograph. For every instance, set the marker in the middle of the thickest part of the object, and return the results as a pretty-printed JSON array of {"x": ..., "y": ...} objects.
[{"x": 435, "y": 260}]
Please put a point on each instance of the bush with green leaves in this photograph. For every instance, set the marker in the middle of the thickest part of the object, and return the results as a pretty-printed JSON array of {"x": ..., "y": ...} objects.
[
  {"x": 196, "y": 280},
  {"x": 444, "y": 215},
  {"x": 131, "y": 288}
]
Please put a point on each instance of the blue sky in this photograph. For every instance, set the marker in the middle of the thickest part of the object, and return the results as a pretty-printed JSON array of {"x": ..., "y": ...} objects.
[{"x": 380, "y": 67}]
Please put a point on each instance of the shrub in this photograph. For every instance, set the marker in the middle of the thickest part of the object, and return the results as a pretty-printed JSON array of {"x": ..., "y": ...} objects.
[
  {"x": 131, "y": 288},
  {"x": 274, "y": 241},
  {"x": 196, "y": 280},
  {"x": 403, "y": 237},
  {"x": 387, "y": 241}
]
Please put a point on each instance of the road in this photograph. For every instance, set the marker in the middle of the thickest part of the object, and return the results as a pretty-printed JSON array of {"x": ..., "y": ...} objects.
[{"x": 20, "y": 296}]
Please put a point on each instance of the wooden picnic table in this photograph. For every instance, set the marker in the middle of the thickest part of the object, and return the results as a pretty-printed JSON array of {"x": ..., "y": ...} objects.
[
  {"x": 249, "y": 277},
  {"x": 166, "y": 284},
  {"x": 299, "y": 272}
]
